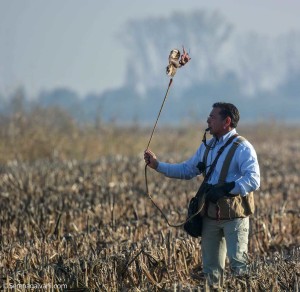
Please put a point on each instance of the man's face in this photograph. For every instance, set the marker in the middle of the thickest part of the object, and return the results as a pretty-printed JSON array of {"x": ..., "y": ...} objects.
[{"x": 215, "y": 122}]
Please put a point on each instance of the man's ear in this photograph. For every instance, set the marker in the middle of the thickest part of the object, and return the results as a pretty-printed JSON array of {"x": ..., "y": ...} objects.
[{"x": 228, "y": 122}]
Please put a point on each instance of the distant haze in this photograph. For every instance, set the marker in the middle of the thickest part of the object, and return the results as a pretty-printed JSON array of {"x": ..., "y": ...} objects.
[{"x": 76, "y": 44}]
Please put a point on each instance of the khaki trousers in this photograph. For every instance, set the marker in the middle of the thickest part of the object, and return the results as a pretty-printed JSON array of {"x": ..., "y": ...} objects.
[{"x": 220, "y": 238}]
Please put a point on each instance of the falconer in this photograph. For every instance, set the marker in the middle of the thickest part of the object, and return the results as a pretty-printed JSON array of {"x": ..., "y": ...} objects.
[{"x": 225, "y": 228}]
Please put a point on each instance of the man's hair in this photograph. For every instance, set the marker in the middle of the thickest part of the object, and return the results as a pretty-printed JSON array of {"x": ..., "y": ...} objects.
[{"x": 228, "y": 110}]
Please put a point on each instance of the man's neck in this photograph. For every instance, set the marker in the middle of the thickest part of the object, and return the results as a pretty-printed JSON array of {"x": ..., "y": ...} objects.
[{"x": 226, "y": 131}]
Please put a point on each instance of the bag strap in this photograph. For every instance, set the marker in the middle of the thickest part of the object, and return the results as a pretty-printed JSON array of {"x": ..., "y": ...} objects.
[
  {"x": 220, "y": 151},
  {"x": 227, "y": 161}
]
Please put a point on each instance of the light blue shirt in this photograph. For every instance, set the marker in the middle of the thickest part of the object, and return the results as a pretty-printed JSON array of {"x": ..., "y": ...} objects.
[{"x": 243, "y": 169}]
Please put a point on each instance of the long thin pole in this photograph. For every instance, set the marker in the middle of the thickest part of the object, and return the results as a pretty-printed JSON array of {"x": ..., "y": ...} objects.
[
  {"x": 146, "y": 180},
  {"x": 162, "y": 105}
]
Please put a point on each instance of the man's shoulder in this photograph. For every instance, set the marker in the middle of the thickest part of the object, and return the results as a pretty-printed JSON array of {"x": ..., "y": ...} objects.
[{"x": 243, "y": 144}]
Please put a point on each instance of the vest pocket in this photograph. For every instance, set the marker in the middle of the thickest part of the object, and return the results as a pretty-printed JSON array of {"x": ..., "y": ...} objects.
[{"x": 231, "y": 207}]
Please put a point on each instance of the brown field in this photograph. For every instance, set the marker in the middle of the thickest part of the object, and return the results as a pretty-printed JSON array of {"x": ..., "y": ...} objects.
[{"x": 74, "y": 210}]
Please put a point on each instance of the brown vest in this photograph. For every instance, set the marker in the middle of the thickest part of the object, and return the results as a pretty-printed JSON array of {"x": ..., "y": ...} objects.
[{"x": 230, "y": 207}]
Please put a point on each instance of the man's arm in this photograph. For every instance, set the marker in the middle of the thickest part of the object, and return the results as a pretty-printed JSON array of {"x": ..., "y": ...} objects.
[
  {"x": 184, "y": 170},
  {"x": 249, "y": 169}
]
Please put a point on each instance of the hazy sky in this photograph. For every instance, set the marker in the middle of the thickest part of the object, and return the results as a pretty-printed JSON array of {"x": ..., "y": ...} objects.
[{"x": 73, "y": 43}]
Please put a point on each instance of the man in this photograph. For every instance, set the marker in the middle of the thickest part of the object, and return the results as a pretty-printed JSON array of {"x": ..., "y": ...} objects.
[{"x": 221, "y": 234}]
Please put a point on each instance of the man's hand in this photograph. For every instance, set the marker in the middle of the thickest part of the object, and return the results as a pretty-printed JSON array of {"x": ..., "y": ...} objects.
[
  {"x": 150, "y": 159},
  {"x": 220, "y": 190}
]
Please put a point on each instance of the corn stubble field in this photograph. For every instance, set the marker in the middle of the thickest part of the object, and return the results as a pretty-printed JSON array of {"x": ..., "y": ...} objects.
[{"x": 74, "y": 209}]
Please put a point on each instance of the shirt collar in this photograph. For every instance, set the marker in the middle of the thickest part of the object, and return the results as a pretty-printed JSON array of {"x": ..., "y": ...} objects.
[{"x": 227, "y": 135}]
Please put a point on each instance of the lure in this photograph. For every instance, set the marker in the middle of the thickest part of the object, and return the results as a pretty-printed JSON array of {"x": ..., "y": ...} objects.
[{"x": 176, "y": 61}]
